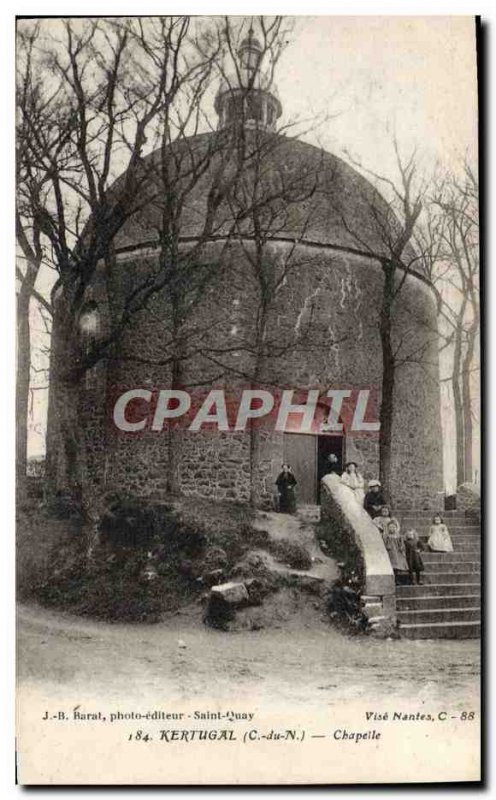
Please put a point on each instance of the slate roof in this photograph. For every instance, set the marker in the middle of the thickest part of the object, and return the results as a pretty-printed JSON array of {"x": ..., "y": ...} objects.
[{"x": 344, "y": 209}]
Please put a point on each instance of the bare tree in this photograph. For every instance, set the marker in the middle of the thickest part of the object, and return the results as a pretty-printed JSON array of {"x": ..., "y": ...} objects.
[
  {"x": 455, "y": 273},
  {"x": 263, "y": 207},
  {"x": 82, "y": 122},
  {"x": 394, "y": 243},
  {"x": 433, "y": 225},
  {"x": 221, "y": 163},
  {"x": 123, "y": 85},
  {"x": 247, "y": 201},
  {"x": 32, "y": 254}
]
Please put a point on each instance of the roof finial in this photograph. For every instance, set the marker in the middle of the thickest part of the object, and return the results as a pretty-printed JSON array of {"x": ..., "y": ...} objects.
[{"x": 262, "y": 107}]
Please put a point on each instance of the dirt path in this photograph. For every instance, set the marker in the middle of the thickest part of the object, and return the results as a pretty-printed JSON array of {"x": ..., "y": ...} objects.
[
  {"x": 299, "y": 529},
  {"x": 299, "y": 674},
  {"x": 180, "y": 659}
]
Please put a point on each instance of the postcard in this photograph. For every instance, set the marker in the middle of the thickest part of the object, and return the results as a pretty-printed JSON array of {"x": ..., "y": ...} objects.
[{"x": 248, "y": 400}]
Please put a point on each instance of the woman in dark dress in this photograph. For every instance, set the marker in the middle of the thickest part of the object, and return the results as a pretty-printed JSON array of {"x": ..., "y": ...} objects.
[
  {"x": 374, "y": 499},
  {"x": 285, "y": 483}
]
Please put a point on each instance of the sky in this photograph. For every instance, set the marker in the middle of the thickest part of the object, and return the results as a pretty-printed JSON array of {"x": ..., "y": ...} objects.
[
  {"x": 377, "y": 77},
  {"x": 362, "y": 81}
]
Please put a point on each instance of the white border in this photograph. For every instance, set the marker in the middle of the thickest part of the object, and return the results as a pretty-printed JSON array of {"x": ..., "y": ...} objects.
[{"x": 126, "y": 7}]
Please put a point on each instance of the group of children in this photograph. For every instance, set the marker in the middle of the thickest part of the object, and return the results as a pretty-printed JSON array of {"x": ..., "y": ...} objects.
[{"x": 404, "y": 551}]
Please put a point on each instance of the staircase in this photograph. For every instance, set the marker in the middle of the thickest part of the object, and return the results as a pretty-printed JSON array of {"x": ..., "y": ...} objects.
[{"x": 448, "y": 604}]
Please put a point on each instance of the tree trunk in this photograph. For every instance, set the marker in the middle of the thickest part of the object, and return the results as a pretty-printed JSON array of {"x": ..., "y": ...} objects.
[
  {"x": 258, "y": 373},
  {"x": 467, "y": 402},
  {"x": 23, "y": 366},
  {"x": 175, "y": 437},
  {"x": 388, "y": 379},
  {"x": 254, "y": 462},
  {"x": 458, "y": 403},
  {"x": 53, "y": 434},
  {"x": 170, "y": 263},
  {"x": 65, "y": 455}
]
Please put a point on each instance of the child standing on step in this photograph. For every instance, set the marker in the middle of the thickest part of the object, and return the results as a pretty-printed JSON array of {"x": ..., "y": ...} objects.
[
  {"x": 439, "y": 540},
  {"x": 395, "y": 546},
  {"x": 414, "y": 560},
  {"x": 384, "y": 518}
]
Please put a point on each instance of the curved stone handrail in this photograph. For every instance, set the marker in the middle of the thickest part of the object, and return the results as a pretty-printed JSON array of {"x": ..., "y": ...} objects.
[{"x": 379, "y": 593}]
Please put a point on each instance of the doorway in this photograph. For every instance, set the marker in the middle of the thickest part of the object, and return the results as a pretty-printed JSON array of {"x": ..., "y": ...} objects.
[
  {"x": 327, "y": 446},
  {"x": 308, "y": 457}
]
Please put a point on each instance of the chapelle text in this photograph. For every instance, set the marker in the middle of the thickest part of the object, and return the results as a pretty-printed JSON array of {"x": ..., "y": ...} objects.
[{"x": 309, "y": 411}]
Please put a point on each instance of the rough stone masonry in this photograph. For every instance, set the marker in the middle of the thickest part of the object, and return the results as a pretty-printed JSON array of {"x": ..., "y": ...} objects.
[{"x": 299, "y": 310}]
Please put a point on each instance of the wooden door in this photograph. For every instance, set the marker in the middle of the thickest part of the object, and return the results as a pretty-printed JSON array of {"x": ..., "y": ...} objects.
[{"x": 300, "y": 452}]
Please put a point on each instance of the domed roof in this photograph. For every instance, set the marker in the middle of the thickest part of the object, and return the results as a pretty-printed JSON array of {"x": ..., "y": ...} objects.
[{"x": 341, "y": 208}]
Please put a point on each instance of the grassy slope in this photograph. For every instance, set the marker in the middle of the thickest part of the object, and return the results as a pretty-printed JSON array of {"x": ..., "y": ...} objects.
[{"x": 52, "y": 564}]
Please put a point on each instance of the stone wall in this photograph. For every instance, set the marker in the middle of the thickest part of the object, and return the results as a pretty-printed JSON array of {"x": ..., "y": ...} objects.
[
  {"x": 323, "y": 330},
  {"x": 468, "y": 497},
  {"x": 378, "y": 593}
]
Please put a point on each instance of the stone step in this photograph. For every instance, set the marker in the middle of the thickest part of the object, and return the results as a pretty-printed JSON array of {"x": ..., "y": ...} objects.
[
  {"x": 429, "y": 602},
  {"x": 425, "y": 524},
  {"x": 447, "y": 603},
  {"x": 459, "y": 541},
  {"x": 458, "y": 530},
  {"x": 451, "y": 577},
  {"x": 414, "y": 512},
  {"x": 456, "y": 519},
  {"x": 434, "y": 615},
  {"x": 451, "y": 566},
  {"x": 475, "y": 529},
  {"x": 463, "y": 552},
  {"x": 447, "y": 558},
  {"x": 471, "y": 533},
  {"x": 439, "y": 589},
  {"x": 454, "y": 534},
  {"x": 460, "y": 538},
  {"x": 455, "y": 561},
  {"x": 441, "y": 630},
  {"x": 423, "y": 512},
  {"x": 464, "y": 546}
]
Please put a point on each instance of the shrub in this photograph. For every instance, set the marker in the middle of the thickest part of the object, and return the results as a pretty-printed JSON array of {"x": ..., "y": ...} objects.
[
  {"x": 345, "y": 609},
  {"x": 126, "y": 521},
  {"x": 62, "y": 505},
  {"x": 148, "y": 559},
  {"x": 219, "y": 613},
  {"x": 42, "y": 545},
  {"x": 337, "y": 542},
  {"x": 291, "y": 553},
  {"x": 224, "y": 525},
  {"x": 117, "y": 588}
]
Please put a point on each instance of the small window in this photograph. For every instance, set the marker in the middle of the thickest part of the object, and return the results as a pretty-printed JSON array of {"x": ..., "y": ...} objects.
[
  {"x": 89, "y": 320},
  {"x": 254, "y": 109},
  {"x": 235, "y": 107}
]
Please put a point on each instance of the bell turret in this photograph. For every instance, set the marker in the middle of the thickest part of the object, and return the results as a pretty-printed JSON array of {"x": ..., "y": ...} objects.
[{"x": 247, "y": 96}]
